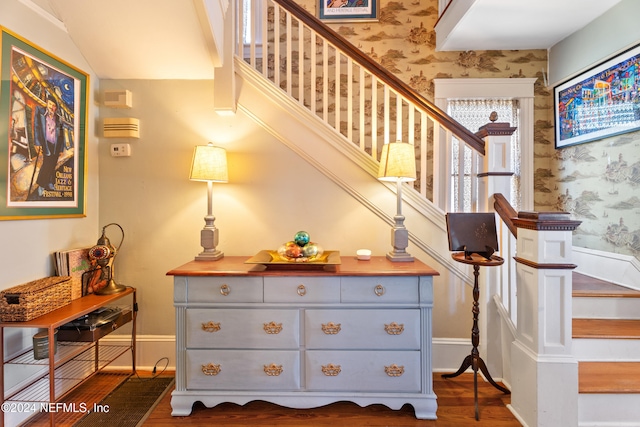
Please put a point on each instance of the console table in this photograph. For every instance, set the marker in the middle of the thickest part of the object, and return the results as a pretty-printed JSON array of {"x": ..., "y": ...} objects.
[
  {"x": 75, "y": 361},
  {"x": 304, "y": 338}
]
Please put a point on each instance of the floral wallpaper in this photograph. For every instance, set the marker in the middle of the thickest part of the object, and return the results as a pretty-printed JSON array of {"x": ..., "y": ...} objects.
[{"x": 596, "y": 182}]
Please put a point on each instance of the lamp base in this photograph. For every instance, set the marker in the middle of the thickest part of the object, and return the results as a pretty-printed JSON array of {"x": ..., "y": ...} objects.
[
  {"x": 111, "y": 288},
  {"x": 399, "y": 257},
  {"x": 209, "y": 255}
]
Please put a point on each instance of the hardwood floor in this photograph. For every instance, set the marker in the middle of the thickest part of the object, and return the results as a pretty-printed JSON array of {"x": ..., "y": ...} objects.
[{"x": 455, "y": 409}]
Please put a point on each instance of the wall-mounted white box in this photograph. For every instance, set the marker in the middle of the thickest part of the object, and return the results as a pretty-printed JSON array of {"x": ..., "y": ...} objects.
[
  {"x": 122, "y": 127},
  {"x": 117, "y": 98}
]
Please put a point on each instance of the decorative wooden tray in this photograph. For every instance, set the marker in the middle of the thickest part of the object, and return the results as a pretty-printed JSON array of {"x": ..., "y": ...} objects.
[{"x": 272, "y": 260}]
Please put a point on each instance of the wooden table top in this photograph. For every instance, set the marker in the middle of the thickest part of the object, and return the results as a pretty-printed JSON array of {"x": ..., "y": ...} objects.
[{"x": 349, "y": 266}]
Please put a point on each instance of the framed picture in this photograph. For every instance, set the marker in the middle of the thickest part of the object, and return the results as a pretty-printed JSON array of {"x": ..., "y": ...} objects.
[
  {"x": 348, "y": 10},
  {"x": 43, "y": 115},
  {"x": 598, "y": 103}
]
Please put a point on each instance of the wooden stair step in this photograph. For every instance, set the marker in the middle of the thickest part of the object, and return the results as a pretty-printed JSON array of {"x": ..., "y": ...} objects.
[
  {"x": 585, "y": 286},
  {"x": 609, "y": 377},
  {"x": 606, "y": 328}
]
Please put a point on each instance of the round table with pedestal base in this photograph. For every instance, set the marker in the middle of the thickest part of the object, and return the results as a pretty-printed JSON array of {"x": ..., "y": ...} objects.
[{"x": 474, "y": 360}]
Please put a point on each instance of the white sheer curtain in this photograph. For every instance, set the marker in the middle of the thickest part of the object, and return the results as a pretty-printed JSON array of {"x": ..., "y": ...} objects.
[
  {"x": 473, "y": 113},
  {"x": 251, "y": 31}
]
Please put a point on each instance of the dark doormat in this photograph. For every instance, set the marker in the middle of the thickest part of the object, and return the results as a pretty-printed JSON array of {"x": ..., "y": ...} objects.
[{"x": 129, "y": 404}]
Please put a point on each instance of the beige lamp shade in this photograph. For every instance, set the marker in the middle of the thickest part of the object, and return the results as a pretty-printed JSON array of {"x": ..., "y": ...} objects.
[
  {"x": 209, "y": 164},
  {"x": 397, "y": 162}
]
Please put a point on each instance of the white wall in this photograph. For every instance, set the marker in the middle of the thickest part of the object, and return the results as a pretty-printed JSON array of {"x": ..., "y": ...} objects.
[
  {"x": 26, "y": 246},
  {"x": 613, "y": 32}
]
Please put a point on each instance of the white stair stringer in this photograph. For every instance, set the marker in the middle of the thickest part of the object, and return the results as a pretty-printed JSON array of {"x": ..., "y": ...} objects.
[
  {"x": 608, "y": 410},
  {"x": 333, "y": 155},
  {"x": 606, "y": 308},
  {"x": 606, "y": 350}
]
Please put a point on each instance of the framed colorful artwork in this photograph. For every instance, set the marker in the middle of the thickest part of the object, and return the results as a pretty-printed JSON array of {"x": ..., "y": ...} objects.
[
  {"x": 43, "y": 115},
  {"x": 599, "y": 103},
  {"x": 348, "y": 10}
]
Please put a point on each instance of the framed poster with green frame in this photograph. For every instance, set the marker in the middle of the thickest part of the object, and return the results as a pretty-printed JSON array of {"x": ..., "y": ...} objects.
[{"x": 43, "y": 117}]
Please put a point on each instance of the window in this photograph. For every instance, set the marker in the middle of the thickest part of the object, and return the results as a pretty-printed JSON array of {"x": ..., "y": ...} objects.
[
  {"x": 519, "y": 91},
  {"x": 474, "y": 113}
]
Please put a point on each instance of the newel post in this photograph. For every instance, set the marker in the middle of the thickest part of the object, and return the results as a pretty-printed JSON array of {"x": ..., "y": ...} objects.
[
  {"x": 494, "y": 177},
  {"x": 544, "y": 372},
  {"x": 497, "y": 167}
]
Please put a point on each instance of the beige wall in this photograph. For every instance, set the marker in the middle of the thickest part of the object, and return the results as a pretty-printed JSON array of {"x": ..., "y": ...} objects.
[{"x": 271, "y": 194}]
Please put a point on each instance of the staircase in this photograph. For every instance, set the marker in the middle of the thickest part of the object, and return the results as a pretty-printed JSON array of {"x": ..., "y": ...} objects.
[
  {"x": 347, "y": 107},
  {"x": 606, "y": 343}
]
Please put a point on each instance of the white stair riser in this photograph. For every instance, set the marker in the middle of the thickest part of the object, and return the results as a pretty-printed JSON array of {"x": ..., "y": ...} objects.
[
  {"x": 608, "y": 410},
  {"x": 606, "y": 308},
  {"x": 619, "y": 350}
]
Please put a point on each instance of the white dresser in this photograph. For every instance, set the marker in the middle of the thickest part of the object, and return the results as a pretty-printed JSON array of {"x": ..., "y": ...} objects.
[{"x": 304, "y": 338}]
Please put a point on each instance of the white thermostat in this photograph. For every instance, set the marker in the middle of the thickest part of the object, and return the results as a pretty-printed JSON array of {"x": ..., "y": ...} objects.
[{"x": 120, "y": 150}]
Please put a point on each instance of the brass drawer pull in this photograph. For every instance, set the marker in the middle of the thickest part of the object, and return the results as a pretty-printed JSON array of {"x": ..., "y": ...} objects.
[
  {"x": 331, "y": 328},
  {"x": 394, "y": 328},
  {"x": 331, "y": 370},
  {"x": 394, "y": 370},
  {"x": 211, "y": 369},
  {"x": 211, "y": 326},
  {"x": 379, "y": 290},
  {"x": 302, "y": 291},
  {"x": 225, "y": 290},
  {"x": 273, "y": 370},
  {"x": 272, "y": 327}
]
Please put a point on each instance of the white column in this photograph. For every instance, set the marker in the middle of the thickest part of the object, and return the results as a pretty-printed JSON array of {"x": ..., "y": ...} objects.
[
  {"x": 544, "y": 372},
  {"x": 494, "y": 177}
]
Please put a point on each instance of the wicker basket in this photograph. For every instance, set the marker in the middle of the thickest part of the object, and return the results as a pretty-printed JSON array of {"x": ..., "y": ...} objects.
[{"x": 30, "y": 300}]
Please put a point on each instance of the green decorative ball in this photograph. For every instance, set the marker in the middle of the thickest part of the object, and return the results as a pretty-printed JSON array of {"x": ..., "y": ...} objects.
[{"x": 301, "y": 238}]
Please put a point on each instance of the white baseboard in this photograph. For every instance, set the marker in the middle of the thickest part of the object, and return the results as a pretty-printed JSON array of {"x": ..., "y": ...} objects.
[
  {"x": 151, "y": 350},
  {"x": 620, "y": 269},
  {"x": 448, "y": 353}
]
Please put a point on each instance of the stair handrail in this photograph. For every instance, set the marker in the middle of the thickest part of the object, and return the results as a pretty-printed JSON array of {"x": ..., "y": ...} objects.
[
  {"x": 506, "y": 212},
  {"x": 394, "y": 82}
]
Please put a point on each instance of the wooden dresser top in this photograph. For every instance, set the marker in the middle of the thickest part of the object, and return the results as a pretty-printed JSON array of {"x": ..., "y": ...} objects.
[{"x": 349, "y": 266}]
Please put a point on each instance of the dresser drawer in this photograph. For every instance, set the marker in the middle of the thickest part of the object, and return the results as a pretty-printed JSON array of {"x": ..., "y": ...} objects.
[
  {"x": 379, "y": 289},
  {"x": 221, "y": 289},
  {"x": 242, "y": 370},
  {"x": 298, "y": 289},
  {"x": 242, "y": 328},
  {"x": 362, "y": 329},
  {"x": 370, "y": 371}
]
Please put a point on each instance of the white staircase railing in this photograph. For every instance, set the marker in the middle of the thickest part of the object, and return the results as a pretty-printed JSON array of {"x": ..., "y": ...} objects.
[{"x": 345, "y": 88}]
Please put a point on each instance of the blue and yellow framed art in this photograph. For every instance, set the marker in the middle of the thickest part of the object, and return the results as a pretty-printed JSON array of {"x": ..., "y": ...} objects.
[
  {"x": 43, "y": 116},
  {"x": 601, "y": 102}
]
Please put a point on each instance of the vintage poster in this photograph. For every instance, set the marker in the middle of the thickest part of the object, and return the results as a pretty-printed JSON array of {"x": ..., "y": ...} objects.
[{"x": 43, "y": 104}]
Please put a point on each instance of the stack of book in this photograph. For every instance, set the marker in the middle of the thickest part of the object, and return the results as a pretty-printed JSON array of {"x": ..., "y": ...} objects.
[{"x": 73, "y": 263}]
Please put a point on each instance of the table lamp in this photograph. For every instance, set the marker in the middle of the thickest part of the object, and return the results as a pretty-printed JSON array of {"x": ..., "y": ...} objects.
[
  {"x": 398, "y": 163},
  {"x": 210, "y": 165}
]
